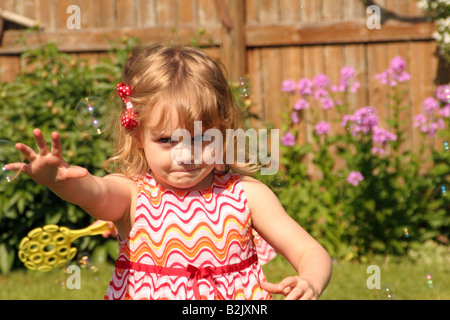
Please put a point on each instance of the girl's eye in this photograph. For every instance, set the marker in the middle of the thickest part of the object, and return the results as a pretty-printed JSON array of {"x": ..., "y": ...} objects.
[
  {"x": 198, "y": 138},
  {"x": 165, "y": 140}
]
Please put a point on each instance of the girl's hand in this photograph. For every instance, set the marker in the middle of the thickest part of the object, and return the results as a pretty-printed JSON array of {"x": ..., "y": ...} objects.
[
  {"x": 293, "y": 288},
  {"x": 112, "y": 232},
  {"x": 47, "y": 168}
]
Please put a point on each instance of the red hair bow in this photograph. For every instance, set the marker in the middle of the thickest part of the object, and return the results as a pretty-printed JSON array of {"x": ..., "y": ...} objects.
[{"x": 129, "y": 119}]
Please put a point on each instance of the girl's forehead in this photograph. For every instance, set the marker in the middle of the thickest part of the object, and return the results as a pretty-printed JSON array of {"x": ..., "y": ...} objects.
[{"x": 162, "y": 120}]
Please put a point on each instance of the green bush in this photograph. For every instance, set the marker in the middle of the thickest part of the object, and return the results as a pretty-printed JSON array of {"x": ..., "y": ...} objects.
[{"x": 45, "y": 96}]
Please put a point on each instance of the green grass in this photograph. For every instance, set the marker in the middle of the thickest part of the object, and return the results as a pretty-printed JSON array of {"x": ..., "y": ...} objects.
[{"x": 406, "y": 280}]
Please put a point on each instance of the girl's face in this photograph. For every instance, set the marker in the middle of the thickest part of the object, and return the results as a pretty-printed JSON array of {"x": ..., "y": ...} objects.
[{"x": 177, "y": 175}]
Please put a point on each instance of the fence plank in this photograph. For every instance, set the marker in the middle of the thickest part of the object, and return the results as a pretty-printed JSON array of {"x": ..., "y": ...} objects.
[
  {"x": 186, "y": 13},
  {"x": 342, "y": 33},
  {"x": 233, "y": 41},
  {"x": 126, "y": 13}
]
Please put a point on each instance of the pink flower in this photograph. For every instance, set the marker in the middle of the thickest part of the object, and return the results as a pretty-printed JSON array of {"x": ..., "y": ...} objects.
[
  {"x": 305, "y": 87},
  {"x": 320, "y": 93},
  {"x": 322, "y": 127},
  {"x": 301, "y": 104},
  {"x": 288, "y": 140},
  {"x": 321, "y": 81},
  {"x": 420, "y": 120},
  {"x": 430, "y": 105},
  {"x": 445, "y": 111},
  {"x": 355, "y": 87},
  {"x": 382, "y": 136},
  {"x": 428, "y": 125},
  {"x": 347, "y": 77},
  {"x": 347, "y": 73},
  {"x": 355, "y": 178},
  {"x": 396, "y": 73},
  {"x": 294, "y": 117},
  {"x": 288, "y": 86},
  {"x": 398, "y": 64},
  {"x": 327, "y": 103},
  {"x": 443, "y": 93},
  {"x": 378, "y": 150},
  {"x": 363, "y": 120}
]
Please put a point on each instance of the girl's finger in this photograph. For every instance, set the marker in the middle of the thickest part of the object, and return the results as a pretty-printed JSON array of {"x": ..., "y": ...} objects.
[
  {"x": 41, "y": 143},
  {"x": 270, "y": 287},
  {"x": 287, "y": 284},
  {"x": 18, "y": 166},
  {"x": 56, "y": 145},
  {"x": 28, "y": 152},
  {"x": 296, "y": 293}
]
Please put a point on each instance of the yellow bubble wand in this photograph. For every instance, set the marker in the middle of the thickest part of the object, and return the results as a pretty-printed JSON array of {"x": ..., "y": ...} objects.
[{"x": 49, "y": 247}]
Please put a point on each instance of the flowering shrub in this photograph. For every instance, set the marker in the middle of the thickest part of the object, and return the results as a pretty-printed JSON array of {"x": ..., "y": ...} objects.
[{"x": 376, "y": 193}]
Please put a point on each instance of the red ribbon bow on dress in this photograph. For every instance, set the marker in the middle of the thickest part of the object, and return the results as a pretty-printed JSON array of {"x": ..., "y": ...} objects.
[
  {"x": 129, "y": 119},
  {"x": 203, "y": 273}
]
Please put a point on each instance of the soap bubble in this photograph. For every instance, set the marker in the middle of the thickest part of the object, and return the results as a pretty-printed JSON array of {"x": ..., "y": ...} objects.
[
  {"x": 388, "y": 291},
  {"x": 8, "y": 154},
  {"x": 244, "y": 87},
  {"x": 444, "y": 191},
  {"x": 429, "y": 280},
  {"x": 84, "y": 260},
  {"x": 406, "y": 233},
  {"x": 278, "y": 183},
  {"x": 90, "y": 115}
]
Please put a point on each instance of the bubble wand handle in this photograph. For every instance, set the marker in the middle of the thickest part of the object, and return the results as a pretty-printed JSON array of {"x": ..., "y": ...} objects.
[{"x": 92, "y": 230}]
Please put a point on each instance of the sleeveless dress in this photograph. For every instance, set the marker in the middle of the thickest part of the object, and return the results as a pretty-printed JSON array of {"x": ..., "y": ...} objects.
[{"x": 189, "y": 245}]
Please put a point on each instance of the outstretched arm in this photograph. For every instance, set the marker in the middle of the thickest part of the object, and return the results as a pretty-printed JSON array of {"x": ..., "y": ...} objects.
[
  {"x": 107, "y": 198},
  {"x": 306, "y": 255}
]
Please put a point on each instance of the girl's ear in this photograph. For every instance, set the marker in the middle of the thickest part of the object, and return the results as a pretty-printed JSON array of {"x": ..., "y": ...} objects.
[{"x": 139, "y": 137}]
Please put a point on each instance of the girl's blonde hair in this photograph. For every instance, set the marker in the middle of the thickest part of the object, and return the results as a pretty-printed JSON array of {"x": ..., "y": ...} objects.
[{"x": 180, "y": 77}]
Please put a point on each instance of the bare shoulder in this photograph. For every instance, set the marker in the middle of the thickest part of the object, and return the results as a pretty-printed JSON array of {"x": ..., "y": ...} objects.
[
  {"x": 255, "y": 190},
  {"x": 250, "y": 184}
]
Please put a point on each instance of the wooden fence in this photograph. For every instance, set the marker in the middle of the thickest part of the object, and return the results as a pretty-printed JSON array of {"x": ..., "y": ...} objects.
[{"x": 269, "y": 40}]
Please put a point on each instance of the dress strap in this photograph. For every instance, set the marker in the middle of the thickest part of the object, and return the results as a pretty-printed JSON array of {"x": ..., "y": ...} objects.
[{"x": 191, "y": 271}]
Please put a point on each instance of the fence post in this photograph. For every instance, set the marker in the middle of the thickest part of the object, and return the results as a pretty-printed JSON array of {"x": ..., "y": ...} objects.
[{"x": 233, "y": 51}]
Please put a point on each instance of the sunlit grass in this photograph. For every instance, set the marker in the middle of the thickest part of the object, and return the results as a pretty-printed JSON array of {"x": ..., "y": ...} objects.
[{"x": 405, "y": 279}]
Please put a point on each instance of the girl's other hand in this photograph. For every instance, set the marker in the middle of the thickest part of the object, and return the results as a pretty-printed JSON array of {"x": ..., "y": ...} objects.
[
  {"x": 45, "y": 167},
  {"x": 112, "y": 232},
  {"x": 293, "y": 288}
]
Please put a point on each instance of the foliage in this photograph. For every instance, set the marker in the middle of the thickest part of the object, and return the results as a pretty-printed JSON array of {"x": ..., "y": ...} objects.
[
  {"x": 439, "y": 11},
  {"x": 44, "y": 96},
  {"x": 377, "y": 192}
]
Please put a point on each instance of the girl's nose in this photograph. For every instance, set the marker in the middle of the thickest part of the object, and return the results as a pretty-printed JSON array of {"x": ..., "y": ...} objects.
[{"x": 183, "y": 154}]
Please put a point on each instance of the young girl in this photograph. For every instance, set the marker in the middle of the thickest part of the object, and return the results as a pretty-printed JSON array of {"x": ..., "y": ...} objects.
[{"x": 185, "y": 226}]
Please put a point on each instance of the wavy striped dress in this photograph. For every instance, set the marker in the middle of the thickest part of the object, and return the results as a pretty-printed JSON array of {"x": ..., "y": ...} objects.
[{"x": 189, "y": 245}]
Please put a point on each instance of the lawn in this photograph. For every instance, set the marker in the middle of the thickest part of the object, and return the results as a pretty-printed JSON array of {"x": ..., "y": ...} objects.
[{"x": 401, "y": 279}]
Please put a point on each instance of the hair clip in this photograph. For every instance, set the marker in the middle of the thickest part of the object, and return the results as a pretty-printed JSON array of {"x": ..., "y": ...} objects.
[{"x": 129, "y": 119}]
